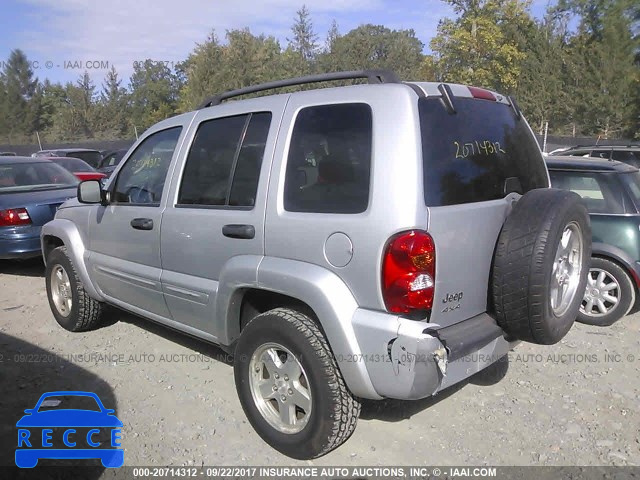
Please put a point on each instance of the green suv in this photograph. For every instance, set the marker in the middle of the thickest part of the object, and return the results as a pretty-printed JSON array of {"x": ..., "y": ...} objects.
[{"x": 611, "y": 192}]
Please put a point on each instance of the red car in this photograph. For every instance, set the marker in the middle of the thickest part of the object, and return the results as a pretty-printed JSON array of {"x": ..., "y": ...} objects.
[{"x": 79, "y": 168}]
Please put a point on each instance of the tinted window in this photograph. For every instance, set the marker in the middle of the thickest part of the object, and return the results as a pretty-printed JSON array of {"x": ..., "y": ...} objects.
[
  {"x": 74, "y": 164},
  {"x": 600, "y": 153},
  {"x": 92, "y": 158},
  {"x": 26, "y": 176},
  {"x": 141, "y": 179},
  {"x": 223, "y": 165},
  {"x": 480, "y": 153},
  {"x": 600, "y": 192},
  {"x": 329, "y": 161},
  {"x": 632, "y": 158}
]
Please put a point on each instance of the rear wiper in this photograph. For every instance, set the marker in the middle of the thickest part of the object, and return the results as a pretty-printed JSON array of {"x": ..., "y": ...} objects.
[
  {"x": 515, "y": 107},
  {"x": 447, "y": 97}
]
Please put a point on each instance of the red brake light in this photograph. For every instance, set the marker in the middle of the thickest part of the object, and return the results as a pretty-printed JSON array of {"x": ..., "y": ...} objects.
[
  {"x": 409, "y": 272},
  {"x": 482, "y": 93},
  {"x": 14, "y": 216}
]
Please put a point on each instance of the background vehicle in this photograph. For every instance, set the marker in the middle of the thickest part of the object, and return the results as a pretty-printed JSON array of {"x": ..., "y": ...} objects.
[
  {"x": 81, "y": 169},
  {"x": 110, "y": 161},
  {"x": 8, "y": 154},
  {"x": 31, "y": 189},
  {"x": 611, "y": 192},
  {"x": 339, "y": 241},
  {"x": 92, "y": 157},
  {"x": 624, "y": 153}
]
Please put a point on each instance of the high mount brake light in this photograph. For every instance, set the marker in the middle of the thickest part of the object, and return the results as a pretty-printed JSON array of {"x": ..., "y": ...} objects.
[{"x": 482, "y": 93}]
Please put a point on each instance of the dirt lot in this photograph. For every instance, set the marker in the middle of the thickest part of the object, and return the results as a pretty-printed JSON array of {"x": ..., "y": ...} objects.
[{"x": 575, "y": 403}]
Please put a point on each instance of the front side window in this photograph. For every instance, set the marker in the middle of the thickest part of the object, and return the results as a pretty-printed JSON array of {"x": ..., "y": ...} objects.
[
  {"x": 223, "y": 165},
  {"x": 141, "y": 180},
  {"x": 329, "y": 162},
  {"x": 600, "y": 192}
]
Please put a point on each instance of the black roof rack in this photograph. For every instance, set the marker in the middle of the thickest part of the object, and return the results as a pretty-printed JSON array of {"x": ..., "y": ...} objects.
[{"x": 372, "y": 76}]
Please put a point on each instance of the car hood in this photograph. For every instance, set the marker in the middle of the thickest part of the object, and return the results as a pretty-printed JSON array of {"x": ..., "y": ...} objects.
[{"x": 69, "y": 418}]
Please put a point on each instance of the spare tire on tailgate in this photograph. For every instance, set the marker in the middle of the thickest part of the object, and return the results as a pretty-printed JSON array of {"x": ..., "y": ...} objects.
[{"x": 540, "y": 266}]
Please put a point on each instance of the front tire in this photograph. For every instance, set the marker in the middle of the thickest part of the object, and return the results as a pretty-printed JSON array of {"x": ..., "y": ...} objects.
[
  {"x": 290, "y": 387},
  {"x": 609, "y": 294},
  {"x": 70, "y": 304}
]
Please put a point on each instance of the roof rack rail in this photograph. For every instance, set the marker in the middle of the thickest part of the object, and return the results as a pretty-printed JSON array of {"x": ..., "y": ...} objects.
[{"x": 372, "y": 76}]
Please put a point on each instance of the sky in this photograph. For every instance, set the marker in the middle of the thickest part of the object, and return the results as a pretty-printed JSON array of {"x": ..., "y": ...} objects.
[{"x": 63, "y": 38}]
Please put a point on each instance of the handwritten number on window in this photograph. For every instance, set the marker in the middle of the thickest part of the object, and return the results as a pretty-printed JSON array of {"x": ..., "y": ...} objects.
[{"x": 483, "y": 147}]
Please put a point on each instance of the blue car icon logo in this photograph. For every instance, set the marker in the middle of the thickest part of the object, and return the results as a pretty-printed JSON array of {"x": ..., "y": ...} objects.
[{"x": 69, "y": 425}]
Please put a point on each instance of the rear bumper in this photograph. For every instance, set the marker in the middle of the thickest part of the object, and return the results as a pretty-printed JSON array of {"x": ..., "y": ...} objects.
[
  {"x": 20, "y": 242},
  {"x": 409, "y": 360}
]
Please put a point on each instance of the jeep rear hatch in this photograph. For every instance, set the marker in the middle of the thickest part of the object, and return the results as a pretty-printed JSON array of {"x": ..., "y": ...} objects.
[{"x": 477, "y": 151}]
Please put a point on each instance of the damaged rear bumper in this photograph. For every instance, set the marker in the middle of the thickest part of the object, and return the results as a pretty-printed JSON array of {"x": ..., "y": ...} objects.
[{"x": 408, "y": 359}]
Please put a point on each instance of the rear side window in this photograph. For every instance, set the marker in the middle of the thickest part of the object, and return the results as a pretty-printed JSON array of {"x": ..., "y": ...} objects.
[
  {"x": 223, "y": 166},
  {"x": 480, "y": 153},
  {"x": 329, "y": 161},
  {"x": 601, "y": 193}
]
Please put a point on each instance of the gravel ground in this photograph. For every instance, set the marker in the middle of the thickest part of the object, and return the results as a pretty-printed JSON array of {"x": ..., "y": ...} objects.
[{"x": 575, "y": 403}]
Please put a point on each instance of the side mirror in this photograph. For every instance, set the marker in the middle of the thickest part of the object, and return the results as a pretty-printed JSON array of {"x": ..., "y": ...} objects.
[
  {"x": 29, "y": 411},
  {"x": 90, "y": 191}
]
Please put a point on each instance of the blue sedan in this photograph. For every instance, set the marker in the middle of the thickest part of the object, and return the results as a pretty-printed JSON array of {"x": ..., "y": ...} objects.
[{"x": 31, "y": 190}]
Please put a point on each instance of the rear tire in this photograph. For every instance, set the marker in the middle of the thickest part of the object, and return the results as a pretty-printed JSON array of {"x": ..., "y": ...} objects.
[
  {"x": 609, "y": 294},
  {"x": 540, "y": 265},
  {"x": 307, "y": 415},
  {"x": 70, "y": 304}
]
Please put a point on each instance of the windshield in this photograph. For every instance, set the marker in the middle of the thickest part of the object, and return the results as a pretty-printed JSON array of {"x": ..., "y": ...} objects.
[
  {"x": 69, "y": 402},
  {"x": 74, "y": 164},
  {"x": 92, "y": 158},
  {"x": 480, "y": 153},
  {"x": 28, "y": 176}
]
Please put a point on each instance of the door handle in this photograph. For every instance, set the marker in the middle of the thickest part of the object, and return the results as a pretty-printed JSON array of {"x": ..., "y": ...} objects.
[
  {"x": 239, "y": 231},
  {"x": 142, "y": 223}
]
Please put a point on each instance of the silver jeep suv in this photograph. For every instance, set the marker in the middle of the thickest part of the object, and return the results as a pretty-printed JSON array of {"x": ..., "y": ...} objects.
[{"x": 380, "y": 240}]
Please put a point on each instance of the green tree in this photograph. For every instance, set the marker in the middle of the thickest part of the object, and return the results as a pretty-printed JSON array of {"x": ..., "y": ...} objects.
[
  {"x": 154, "y": 93},
  {"x": 20, "y": 88},
  {"x": 245, "y": 60},
  {"x": 539, "y": 89},
  {"x": 604, "y": 90},
  {"x": 303, "y": 45},
  {"x": 113, "y": 107},
  {"x": 375, "y": 47},
  {"x": 478, "y": 47}
]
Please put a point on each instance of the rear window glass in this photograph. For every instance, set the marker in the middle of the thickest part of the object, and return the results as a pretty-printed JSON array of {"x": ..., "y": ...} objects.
[
  {"x": 92, "y": 158},
  {"x": 480, "y": 153},
  {"x": 31, "y": 176},
  {"x": 600, "y": 192},
  {"x": 74, "y": 164}
]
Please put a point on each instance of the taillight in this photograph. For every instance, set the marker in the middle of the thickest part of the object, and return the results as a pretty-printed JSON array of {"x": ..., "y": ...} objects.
[
  {"x": 14, "y": 216},
  {"x": 482, "y": 93},
  {"x": 409, "y": 272}
]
